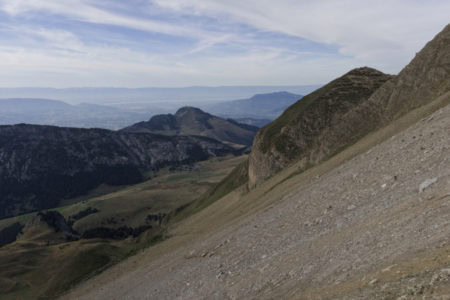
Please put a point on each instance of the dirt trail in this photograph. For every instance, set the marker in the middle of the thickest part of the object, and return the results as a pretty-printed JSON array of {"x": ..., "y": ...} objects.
[{"x": 362, "y": 230}]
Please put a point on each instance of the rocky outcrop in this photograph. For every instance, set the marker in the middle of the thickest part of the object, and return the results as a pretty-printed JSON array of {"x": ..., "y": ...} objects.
[
  {"x": 193, "y": 121},
  {"x": 40, "y": 165},
  {"x": 57, "y": 222},
  {"x": 312, "y": 129},
  {"x": 325, "y": 122}
]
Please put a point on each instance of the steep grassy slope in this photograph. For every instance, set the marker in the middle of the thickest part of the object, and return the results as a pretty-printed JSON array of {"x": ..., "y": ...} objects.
[
  {"x": 67, "y": 263},
  {"x": 311, "y": 130},
  {"x": 193, "y": 121},
  {"x": 337, "y": 115},
  {"x": 236, "y": 178}
]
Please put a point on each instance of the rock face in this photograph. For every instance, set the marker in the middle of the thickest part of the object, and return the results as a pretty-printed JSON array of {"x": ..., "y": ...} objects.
[
  {"x": 40, "y": 165},
  {"x": 193, "y": 121},
  {"x": 313, "y": 128},
  {"x": 337, "y": 115}
]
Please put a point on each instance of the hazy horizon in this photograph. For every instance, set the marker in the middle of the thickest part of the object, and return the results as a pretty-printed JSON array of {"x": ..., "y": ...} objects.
[{"x": 174, "y": 97}]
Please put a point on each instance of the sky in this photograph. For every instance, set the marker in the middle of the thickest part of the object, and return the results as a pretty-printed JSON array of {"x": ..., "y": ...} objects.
[{"x": 178, "y": 43}]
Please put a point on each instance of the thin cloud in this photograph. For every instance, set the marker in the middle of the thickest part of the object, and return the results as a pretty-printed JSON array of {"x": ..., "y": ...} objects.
[
  {"x": 373, "y": 31},
  {"x": 83, "y": 11},
  {"x": 207, "y": 42}
]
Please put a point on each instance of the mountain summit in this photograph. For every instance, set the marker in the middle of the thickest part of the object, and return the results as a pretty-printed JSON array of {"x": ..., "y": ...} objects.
[{"x": 193, "y": 121}]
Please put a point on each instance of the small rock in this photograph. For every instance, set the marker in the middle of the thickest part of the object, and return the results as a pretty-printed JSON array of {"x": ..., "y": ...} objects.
[
  {"x": 383, "y": 186},
  {"x": 446, "y": 271},
  {"x": 220, "y": 274},
  {"x": 387, "y": 269},
  {"x": 427, "y": 183},
  {"x": 351, "y": 207}
]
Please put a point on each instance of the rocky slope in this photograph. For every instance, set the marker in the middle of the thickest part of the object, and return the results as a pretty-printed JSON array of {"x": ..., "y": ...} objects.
[
  {"x": 375, "y": 227},
  {"x": 337, "y": 115},
  {"x": 193, "y": 121},
  {"x": 371, "y": 222},
  {"x": 40, "y": 165}
]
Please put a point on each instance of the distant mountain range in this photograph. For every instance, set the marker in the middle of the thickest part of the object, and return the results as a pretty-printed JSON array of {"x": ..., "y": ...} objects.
[
  {"x": 194, "y": 121},
  {"x": 252, "y": 121},
  {"x": 139, "y": 97},
  {"x": 256, "y": 111},
  {"x": 261, "y": 106}
]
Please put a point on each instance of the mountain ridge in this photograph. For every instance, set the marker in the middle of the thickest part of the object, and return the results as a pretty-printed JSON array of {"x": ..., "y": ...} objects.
[
  {"x": 311, "y": 129},
  {"x": 194, "y": 121},
  {"x": 260, "y": 106},
  {"x": 282, "y": 142}
]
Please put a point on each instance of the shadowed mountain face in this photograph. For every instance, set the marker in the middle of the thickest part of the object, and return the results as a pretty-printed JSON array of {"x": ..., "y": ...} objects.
[
  {"x": 193, "y": 121},
  {"x": 342, "y": 112},
  {"x": 41, "y": 165}
]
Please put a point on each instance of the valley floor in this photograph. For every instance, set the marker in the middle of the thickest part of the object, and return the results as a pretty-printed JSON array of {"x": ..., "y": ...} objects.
[{"x": 374, "y": 227}]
